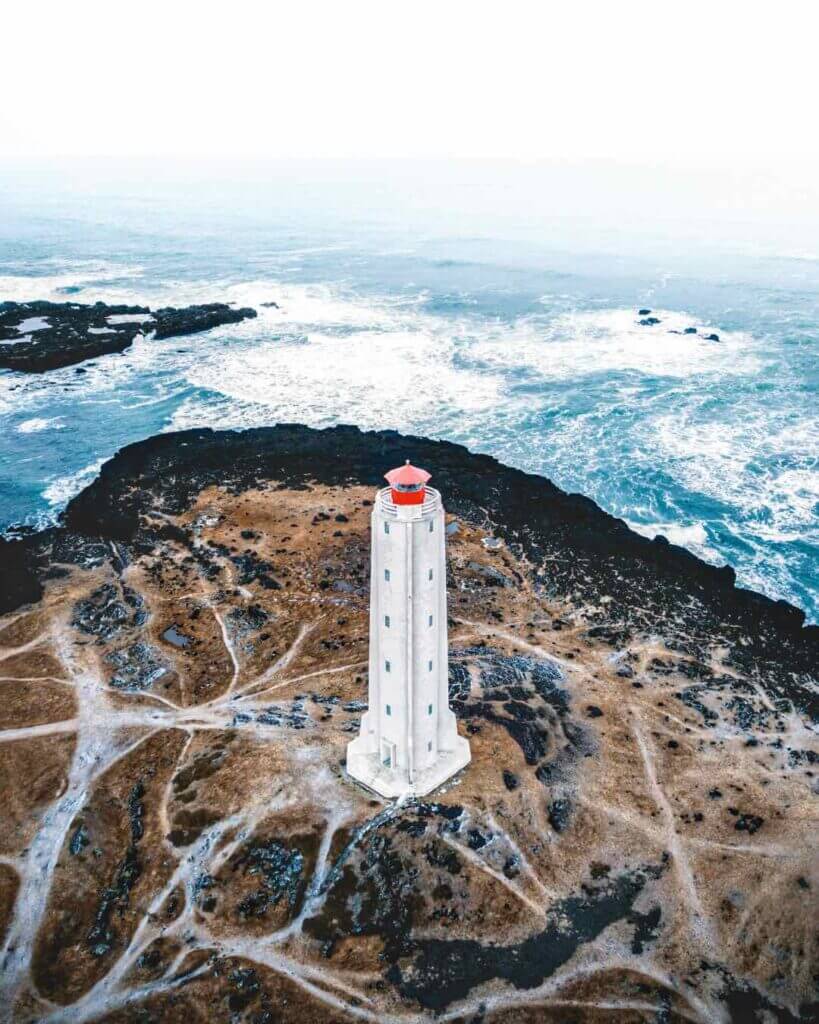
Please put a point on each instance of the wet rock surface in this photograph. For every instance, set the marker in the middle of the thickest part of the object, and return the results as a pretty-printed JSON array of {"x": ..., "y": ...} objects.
[
  {"x": 40, "y": 336},
  {"x": 633, "y": 840}
]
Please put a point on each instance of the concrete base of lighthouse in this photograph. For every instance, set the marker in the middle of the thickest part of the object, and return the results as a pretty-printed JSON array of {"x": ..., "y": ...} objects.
[{"x": 365, "y": 767}]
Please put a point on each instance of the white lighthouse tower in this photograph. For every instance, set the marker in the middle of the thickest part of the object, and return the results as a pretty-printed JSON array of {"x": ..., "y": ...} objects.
[{"x": 409, "y": 742}]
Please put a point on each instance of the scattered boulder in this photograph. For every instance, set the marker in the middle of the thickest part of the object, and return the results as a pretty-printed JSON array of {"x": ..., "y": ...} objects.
[{"x": 560, "y": 813}]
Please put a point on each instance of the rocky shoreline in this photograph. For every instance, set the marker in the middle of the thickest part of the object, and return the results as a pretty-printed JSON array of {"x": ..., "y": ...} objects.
[
  {"x": 184, "y": 660},
  {"x": 40, "y": 336},
  {"x": 587, "y": 556}
]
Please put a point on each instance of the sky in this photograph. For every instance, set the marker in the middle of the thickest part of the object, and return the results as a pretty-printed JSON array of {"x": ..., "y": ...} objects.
[{"x": 701, "y": 84}]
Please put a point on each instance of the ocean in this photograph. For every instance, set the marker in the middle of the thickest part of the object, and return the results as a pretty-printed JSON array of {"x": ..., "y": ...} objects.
[{"x": 494, "y": 308}]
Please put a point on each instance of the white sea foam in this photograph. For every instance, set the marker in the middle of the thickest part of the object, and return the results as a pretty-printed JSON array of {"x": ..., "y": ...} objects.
[
  {"x": 613, "y": 340},
  {"x": 565, "y": 346},
  {"x": 386, "y": 362},
  {"x": 370, "y": 378},
  {"x": 37, "y": 424},
  {"x": 62, "y": 489},
  {"x": 339, "y": 359},
  {"x": 693, "y": 536},
  {"x": 67, "y": 274},
  {"x": 322, "y": 306},
  {"x": 717, "y": 457},
  {"x": 793, "y": 494}
]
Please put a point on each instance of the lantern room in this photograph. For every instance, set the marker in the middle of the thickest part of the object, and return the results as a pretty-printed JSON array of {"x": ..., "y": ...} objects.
[{"x": 407, "y": 484}]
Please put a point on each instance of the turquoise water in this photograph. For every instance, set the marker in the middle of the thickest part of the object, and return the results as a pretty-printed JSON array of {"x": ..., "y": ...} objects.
[{"x": 436, "y": 310}]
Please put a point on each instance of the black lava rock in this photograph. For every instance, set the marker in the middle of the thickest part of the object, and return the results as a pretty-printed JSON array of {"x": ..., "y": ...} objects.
[
  {"x": 71, "y": 333},
  {"x": 560, "y": 814},
  {"x": 749, "y": 823}
]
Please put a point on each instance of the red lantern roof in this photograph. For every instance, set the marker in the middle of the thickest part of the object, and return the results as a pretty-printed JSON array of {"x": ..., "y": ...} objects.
[{"x": 407, "y": 476}]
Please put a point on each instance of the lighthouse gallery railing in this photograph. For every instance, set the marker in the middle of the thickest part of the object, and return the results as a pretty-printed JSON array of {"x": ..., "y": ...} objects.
[{"x": 432, "y": 501}]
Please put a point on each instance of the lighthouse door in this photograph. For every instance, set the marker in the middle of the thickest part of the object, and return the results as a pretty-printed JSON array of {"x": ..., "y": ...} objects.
[{"x": 387, "y": 754}]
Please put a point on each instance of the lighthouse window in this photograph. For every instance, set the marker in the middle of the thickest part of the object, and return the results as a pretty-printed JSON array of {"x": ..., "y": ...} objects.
[
  {"x": 387, "y": 575},
  {"x": 387, "y": 621},
  {"x": 431, "y": 524},
  {"x": 429, "y": 665},
  {"x": 430, "y": 620},
  {"x": 386, "y": 527},
  {"x": 429, "y": 709},
  {"x": 429, "y": 746},
  {"x": 389, "y": 710},
  {"x": 430, "y": 573},
  {"x": 386, "y": 666}
]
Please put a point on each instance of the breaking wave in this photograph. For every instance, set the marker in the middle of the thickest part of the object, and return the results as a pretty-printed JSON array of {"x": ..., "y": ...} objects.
[{"x": 62, "y": 489}]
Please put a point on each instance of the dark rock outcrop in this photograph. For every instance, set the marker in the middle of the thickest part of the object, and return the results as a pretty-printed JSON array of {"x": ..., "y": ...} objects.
[
  {"x": 69, "y": 333},
  {"x": 173, "y": 323}
]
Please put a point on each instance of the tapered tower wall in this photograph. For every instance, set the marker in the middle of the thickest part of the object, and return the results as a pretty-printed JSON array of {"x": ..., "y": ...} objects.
[{"x": 409, "y": 740}]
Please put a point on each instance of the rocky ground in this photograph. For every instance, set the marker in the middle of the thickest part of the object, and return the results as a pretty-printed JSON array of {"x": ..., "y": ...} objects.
[
  {"x": 184, "y": 660},
  {"x": 42, "y": 336}
]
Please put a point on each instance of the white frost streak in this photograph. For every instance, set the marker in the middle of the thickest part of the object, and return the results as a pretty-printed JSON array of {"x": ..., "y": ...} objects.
[
  {"x": 228, "y": 647},
  {"x": 96, "y": 749},
  {"x": 279, "y": 666},
  {"x": 33, "y": 731},
  {"x": 678, "y": 852},
  {"x": 477, "y": 862}
]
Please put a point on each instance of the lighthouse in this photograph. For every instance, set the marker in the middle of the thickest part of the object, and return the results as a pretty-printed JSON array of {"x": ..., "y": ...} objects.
[{"x": 409, "y": 742}]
